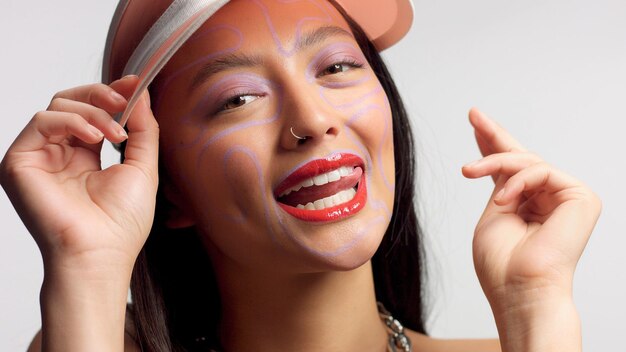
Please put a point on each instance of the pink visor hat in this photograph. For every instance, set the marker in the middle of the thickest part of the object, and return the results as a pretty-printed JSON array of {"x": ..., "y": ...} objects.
[{"x": 145, "y": 34}]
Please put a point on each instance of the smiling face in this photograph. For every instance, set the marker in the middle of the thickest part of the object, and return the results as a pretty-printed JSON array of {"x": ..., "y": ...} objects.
[{"x": 233, "y": 105}]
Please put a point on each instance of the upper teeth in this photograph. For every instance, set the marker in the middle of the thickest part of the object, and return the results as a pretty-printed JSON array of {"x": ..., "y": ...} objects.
[{"x": 322, "y": 179}]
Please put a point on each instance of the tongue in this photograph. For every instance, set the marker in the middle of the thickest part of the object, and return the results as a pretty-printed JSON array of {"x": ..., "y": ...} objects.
[{"x": 311, "y": 194}]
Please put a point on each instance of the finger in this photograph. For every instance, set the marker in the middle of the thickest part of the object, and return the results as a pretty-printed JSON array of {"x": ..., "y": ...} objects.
[
  {"x": 496, "y": 138},
  {"x": 142, "y": 147},
  {"x": 93, "y": 115},
  {"x": 51, "y": 126},
  {"x": 101, "y": 95},
  {"x": 565, "y": 207},
  {"x": 483, "y": 146},
  {"x": 500, "y": 163},
  {"x": 125, "y": 86},
  {"x": 536, "y": 178}
]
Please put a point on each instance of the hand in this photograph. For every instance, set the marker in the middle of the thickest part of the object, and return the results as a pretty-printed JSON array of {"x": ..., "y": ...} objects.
[
  {"x": 74, "y": 210},
  {"x": 534, "y": 228}
]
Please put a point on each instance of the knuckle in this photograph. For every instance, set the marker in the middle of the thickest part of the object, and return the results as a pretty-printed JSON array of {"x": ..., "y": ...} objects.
[
  {"x": 57, "y": 104},
  {"x": 39, "y": 116},
  {"x": 542, "y": 165},
  {"x": 97, "y": 92},
  {"x": 58, "y": 95},
  {"x": 594, "y": 200},
  {"x": 75, "y": 117},
  {"x": 532, "y": 157}
]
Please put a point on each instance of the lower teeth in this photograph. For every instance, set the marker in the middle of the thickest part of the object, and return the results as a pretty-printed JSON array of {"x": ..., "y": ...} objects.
[{"x": 338, "y": 198}]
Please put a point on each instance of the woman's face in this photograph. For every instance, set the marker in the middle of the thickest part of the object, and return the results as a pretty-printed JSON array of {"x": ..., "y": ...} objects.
[{"x": 227, "y": 104}]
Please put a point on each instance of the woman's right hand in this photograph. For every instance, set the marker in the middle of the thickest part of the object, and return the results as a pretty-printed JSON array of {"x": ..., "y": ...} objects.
[{"x": 79, "y": 214}]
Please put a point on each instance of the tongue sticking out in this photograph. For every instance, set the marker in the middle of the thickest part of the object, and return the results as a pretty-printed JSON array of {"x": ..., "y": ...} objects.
[{"x": 314, "y": 193}]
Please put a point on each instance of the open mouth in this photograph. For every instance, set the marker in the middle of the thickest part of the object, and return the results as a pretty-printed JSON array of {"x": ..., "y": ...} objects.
[{"x": 324, "y": 189}]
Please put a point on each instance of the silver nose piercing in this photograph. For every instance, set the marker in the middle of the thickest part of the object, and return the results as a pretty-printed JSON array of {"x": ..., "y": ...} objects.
[{"x": 295, "y": 135}]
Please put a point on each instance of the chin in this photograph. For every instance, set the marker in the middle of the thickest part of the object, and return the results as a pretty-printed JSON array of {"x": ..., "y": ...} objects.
[{"x": 349, "y": 254}]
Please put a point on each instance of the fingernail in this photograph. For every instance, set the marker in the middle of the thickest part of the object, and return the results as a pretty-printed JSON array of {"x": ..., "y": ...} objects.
[
  {"x": 119, "y": 130},
  {"x": 122, "y": 133},
  {"x": 94, "y": 131},
  {"x": 128, "y": 77},
  {"x": 146, "y": 98},
  {"x": 117, "y": 97},
  {"x": 500, "y": 195}
]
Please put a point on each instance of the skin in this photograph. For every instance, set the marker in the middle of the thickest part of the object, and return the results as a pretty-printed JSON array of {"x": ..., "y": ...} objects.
[
  {"x": 220, "y": 179},
  {"x": 340, "y": 112}
]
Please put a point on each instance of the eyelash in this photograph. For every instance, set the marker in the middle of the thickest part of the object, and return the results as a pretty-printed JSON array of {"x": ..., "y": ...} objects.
[
  {"x": 349, "y": 62},
  {"x": 223, "y": 106}
]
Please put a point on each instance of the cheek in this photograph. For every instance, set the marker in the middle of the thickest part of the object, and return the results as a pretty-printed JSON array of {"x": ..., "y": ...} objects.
[
  {"x": 224, "y": 180},
  {"x": 371, "y": 120}
]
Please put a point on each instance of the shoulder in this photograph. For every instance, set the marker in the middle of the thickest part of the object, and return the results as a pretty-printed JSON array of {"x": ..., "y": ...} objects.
[
  {"x": 130, "y": 343},
  {"x": 426, "y": 343}
]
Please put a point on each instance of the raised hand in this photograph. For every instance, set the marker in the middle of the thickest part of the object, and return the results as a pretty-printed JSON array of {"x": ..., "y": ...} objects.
[
  {"x": 52, "y": 174},
  {"x": 530, "y": 237},
  {"x": 89, "y": 223}
]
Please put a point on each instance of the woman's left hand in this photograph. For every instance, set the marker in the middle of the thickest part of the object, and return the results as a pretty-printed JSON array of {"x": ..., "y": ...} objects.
[{"x": 530, "y": 237}]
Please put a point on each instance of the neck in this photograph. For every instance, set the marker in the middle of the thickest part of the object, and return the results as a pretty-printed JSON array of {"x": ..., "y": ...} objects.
[{"x": 331, "y": 311}]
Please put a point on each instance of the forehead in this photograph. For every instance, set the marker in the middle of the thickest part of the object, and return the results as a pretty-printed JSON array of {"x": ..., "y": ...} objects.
[{"x": 253, "y": 24}]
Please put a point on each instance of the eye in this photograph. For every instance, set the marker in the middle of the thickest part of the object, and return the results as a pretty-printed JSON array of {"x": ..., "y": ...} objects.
[
  {"x": 340, "y": 67},
  {"x": 238, "y": 101}
]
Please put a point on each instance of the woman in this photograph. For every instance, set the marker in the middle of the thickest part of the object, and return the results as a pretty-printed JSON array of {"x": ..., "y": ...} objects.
[{"x": 280, "y": 135}]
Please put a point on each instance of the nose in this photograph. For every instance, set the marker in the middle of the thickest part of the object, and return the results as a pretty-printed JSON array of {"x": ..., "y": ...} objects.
[{"x": 307, "y": 119}]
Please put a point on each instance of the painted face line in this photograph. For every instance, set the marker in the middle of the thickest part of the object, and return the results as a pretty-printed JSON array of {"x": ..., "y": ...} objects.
[
  {"x": 385, "y": 136},
  {"x": 238, "y": 149},
  {"x": 237, "y": 128},
  {"x": 329, "y": 55},
  {"x": 356, "y": 101},
  {"x": 226, "y": 88},
  {"x": 272, "y": 28},
  {"x": 202, "y": 60},
  {"x": 202, "y": 132},
  {"x": 361, "y": 234},
  {"x": 276, "y": 222},
  {"x": 228, "y": 156}
]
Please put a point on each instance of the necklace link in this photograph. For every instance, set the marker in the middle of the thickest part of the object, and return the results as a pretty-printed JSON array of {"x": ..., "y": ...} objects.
[{"x": 398, "y": 341}]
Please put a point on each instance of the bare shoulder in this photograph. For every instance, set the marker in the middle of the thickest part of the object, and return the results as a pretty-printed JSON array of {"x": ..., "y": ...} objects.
[
  {"x": 35, "y": 345},
  {"x": 130, "y": 345},
  {"x": 426, "y": 343}
]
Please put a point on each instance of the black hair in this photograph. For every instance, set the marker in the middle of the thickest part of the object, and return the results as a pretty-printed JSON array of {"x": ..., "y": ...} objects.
[{"x": 175, "y": 300}]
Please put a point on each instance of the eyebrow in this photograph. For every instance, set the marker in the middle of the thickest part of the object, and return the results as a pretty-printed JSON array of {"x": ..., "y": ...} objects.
[{"x": 238, "y": 60}]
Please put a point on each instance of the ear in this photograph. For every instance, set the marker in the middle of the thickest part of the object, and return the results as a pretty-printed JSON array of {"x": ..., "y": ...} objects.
[{"x": 178, "y": 215}]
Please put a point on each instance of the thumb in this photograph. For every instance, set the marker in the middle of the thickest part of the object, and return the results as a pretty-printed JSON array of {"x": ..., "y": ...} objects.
[
  {"x": 142, "y": 147},
  {"x": 496, "y": 207}
]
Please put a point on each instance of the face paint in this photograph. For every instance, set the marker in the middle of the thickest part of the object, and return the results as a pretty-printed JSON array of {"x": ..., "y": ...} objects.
[
  {"x": 223, "y": 31},
  {"x": 230, "y": 164},
  {"x": 298, "y": 32}
]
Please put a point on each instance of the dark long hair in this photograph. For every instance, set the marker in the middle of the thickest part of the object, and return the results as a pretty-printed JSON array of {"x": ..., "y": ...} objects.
[{"x": 176, "y": 304}]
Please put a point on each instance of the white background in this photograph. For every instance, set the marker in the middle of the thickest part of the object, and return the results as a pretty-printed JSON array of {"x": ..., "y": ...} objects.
[{"x": 551, "y": 71}]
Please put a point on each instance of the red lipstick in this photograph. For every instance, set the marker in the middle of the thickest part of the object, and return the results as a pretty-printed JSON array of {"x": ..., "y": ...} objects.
[{"x": 324, "y": 190}]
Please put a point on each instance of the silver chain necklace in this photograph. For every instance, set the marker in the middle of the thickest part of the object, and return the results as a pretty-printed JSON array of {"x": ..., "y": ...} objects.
[{"x": 397, "y": 342}]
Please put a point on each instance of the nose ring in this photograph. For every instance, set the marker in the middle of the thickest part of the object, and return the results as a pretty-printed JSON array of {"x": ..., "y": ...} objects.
[{"x": 295, "y": 135}]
